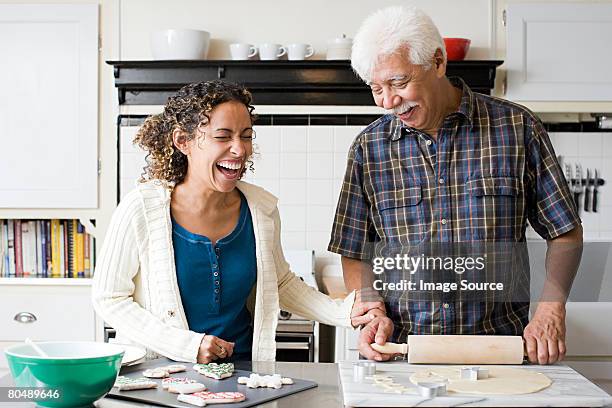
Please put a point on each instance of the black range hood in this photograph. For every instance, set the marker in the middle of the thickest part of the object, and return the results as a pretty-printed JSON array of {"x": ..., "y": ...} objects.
[{"x": 271, "y": 82}]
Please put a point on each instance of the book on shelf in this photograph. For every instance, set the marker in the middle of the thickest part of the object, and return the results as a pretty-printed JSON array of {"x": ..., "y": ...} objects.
[
  {"x": 18, "y": 249},
  {"x": 10, "y": 234},
  {"x": 45, "y": 248},
  {"x": 55, "y": 249}
]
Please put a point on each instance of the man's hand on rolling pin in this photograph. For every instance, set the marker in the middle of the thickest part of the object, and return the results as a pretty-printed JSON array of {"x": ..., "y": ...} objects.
[
  {"x": 378, "y": 330},
  {"x": 363, "y": 312},
  {"x": 545, "y": 334}
]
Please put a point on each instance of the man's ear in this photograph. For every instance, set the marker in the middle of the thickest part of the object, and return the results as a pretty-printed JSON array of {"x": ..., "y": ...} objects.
[
  {"x": 179, "y": 139},
  {"x": 439, "y": 63}
]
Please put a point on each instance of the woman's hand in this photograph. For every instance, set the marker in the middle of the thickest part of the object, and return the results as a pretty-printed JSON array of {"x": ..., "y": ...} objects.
[
  {"x": 213, "y": 348},
  {"x": 366, "y": 308}
]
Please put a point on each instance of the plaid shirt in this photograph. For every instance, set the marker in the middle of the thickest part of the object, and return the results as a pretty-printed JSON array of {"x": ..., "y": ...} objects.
[{"x": 491, "y": 169}]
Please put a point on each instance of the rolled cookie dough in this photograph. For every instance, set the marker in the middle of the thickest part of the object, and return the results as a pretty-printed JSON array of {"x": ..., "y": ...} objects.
[{"x": 501, "y": 381}]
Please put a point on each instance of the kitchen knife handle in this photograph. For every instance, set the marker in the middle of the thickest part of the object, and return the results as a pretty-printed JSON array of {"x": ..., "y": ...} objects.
[
  {"x": 577, "y": 201},
  {"x": 587, "y": 194},
  {"x": 594, "y": 204}
]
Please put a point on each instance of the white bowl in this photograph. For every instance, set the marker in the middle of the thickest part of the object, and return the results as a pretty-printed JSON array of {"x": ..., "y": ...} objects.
[{"x": 180, "y": 44}]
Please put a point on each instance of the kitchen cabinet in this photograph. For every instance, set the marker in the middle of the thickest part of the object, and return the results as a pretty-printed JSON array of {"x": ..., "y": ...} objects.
[
  {"x": 46, "y": 310},
  {"x": 49, "y": 109},
  {"x": 345, "y": 346},
  {"x": 559, "y": 51}
]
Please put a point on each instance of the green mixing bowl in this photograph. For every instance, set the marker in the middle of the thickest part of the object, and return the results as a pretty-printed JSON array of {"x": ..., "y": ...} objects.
[{"x": 83, "y": 372}]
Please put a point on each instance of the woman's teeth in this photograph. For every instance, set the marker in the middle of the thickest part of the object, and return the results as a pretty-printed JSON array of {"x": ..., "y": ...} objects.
[
  {"x": 230, "y": 169},
  {"x": 230, "y": 165}
]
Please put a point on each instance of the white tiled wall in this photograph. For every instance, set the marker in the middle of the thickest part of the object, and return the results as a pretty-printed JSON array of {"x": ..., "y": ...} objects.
[
  {"x": 131, "y": 160},
  {"x": 592, "y": 150},
  {"x": 303, "y": 166}
]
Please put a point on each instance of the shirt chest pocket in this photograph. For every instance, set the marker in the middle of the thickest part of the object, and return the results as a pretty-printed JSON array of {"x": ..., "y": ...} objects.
[
  {"x": 400, "y": 215},
  {"x": 496, "y": 207}
]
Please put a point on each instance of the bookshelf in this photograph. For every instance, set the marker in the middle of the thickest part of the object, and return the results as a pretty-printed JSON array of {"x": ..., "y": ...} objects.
[
  {"x": 47, "y": 248},
  {"x": 39, "y": 282}
]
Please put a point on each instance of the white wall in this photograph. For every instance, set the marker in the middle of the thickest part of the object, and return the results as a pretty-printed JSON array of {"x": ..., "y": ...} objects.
[
  {"x": 304, "y": 167},
  {"x": 315, "y": 22}
]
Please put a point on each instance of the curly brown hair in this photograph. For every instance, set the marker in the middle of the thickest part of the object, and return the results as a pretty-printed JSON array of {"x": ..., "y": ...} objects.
[{"x": 187, "y": 110}]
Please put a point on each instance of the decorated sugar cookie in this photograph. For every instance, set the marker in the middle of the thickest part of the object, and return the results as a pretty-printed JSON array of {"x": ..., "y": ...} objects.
[
  {"x": 201, "y": 399},
  {"x": 214, "y": 370},
  {"x": 166, "y": 382},
  {"x": 271, "y": 381},
  {"x": 128, "y": 384},
  {"x": 186, "y": 388},
  {"x": 175, "y": 368},
  {"x": 156, "y": 373}
]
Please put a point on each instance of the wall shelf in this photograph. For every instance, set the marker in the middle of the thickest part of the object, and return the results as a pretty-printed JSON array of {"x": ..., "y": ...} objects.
[
  {"x": 46, "y": 281},
  {"x": 47, "y": 214},
  {"x": 272, "y": 82}
]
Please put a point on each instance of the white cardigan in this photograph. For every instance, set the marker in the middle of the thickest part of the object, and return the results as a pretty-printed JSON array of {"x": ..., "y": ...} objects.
[{"x": 135, "y": 289}]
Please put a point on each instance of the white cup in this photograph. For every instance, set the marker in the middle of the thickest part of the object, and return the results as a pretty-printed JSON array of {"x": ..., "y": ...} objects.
[
  {"x": 241, "y": 51},
  {"x": 299, "y": 51},
  {"x": 271, "y": 51},
  {"x": 339, "y": 48}
]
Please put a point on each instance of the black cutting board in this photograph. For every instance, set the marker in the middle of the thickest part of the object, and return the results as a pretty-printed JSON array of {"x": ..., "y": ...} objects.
[{"x": 161, "y": 397}]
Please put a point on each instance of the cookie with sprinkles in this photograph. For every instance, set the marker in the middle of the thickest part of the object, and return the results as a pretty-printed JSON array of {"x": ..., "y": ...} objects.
[
  {"x": 202, "y": 399},
  {"x": 214, "y": 370},
  {"x": 128, "y": 384},
  {"x": 166, "y": 382}
]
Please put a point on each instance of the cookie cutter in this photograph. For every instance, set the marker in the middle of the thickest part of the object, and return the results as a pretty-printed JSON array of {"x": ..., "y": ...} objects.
[
  {"x": 431, "y": 389},
  {"x": 474, "y": 373},
  {"x": 362, "y": 369}
]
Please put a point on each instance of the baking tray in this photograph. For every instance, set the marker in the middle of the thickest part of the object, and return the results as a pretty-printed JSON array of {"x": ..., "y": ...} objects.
[{"x": 161, "y": 397}]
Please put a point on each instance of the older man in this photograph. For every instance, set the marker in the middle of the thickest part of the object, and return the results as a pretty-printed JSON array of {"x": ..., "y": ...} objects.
[{"x": 448, "y": 165}]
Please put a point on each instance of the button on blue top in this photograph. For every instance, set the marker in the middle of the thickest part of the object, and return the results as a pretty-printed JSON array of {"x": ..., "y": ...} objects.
[{"x": 215, "y": 281}]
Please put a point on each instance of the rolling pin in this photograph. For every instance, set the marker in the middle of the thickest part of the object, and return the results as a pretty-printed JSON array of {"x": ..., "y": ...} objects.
[{"x": 453, "y": 349}]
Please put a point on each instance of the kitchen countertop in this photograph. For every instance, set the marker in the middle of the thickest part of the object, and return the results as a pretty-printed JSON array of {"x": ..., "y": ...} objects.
[
  {"x": 333, "y": 285},
  {"x": 569, "y": 389},
  {"x": 327, "y": 394}
]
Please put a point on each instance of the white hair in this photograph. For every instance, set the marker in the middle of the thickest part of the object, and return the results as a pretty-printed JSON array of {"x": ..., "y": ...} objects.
[{"x": 387, "y": 30}]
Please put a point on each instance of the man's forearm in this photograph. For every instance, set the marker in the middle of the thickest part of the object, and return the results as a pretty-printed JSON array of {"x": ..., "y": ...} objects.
[
  {"x": 562, "y": 260},
  {"x": 358, "y": 276}
]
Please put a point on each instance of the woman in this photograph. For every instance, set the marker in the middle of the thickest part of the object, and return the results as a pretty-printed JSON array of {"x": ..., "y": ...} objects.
[{"x": 192, "y": 267}]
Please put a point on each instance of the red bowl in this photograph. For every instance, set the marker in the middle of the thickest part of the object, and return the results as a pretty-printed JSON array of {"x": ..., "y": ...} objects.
[{"x": 456, "y": 48}]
